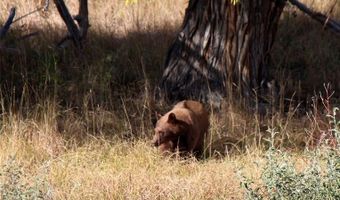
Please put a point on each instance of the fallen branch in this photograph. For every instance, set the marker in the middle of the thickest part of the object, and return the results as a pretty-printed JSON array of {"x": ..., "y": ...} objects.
[
  {"x": 8, "y": 23},
  {"x": 323, "y": 19}
]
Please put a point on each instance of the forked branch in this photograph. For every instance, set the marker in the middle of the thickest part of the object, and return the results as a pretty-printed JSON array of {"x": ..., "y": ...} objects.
[{"x": 76, "y": 33}]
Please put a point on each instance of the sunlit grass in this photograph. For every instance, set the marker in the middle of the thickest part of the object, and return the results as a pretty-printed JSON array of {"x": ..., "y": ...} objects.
[
  {"x": 123, "y": 170},
  {"x": 97, "y": 144}
]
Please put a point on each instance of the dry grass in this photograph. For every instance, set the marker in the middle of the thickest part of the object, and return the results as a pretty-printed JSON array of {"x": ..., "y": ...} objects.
[
  {"x": 67, "y": 159},
  {"x": 113, "y": 169},
  {"x": 79, "y": 128}
]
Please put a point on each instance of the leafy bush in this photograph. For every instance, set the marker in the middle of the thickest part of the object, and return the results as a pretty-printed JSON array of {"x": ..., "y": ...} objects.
[
  {"x": 14, "y": 186},
  {"x": 280, "y": 179}
]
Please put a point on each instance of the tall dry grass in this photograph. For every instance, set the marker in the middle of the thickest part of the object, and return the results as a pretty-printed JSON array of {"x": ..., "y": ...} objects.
[
  {"x": 38, "y": 161},
  {"x": 79, "y": 128}
]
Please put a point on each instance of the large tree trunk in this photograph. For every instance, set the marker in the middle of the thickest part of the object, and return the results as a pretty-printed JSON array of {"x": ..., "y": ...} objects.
[{"x": 223, "y": 49}]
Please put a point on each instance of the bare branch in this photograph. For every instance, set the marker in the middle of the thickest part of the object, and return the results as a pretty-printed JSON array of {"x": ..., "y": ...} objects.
[
  {"x": 323, "y": 19},
  {"x": 82, "y": 18},
  {"x": 8, "y": 23},
  {"x": 68, "y": 20},
  {"x": 76, "y": 33},
  {"x": 44, "y": 8}
]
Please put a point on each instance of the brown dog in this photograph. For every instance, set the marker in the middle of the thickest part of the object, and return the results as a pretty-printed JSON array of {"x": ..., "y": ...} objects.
[{"x": 183, "y": 128}]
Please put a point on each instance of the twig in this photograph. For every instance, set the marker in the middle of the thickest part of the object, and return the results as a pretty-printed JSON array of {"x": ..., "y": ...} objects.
[
  {"x": 127, "y": 116},
  {"x": 325, "y": 20},
  {"x": 44, "y": 8},
  {"x": 28, "y": 14},
  {"x": 330, "y": 12},
  {"x": 24, "y": 37},
  {"x": 8, "y": 23}
]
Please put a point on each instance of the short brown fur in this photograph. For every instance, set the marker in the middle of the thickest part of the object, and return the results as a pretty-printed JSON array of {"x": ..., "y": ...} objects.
[{"x": 182, "y": 128}]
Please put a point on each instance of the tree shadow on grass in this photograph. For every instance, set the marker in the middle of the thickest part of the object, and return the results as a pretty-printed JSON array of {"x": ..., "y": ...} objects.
[
  {"x": 121, "y": 72},
  {"x": 108, "y": 65},
  {"x": 112, "y": 65}
]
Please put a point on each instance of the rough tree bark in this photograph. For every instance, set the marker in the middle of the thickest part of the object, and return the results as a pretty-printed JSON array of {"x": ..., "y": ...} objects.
[{"x": 222, "y": 49}]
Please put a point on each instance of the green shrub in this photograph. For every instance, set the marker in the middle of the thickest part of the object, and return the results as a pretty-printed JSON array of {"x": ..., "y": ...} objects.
[
  {"x": 14, "y": 185},
  {"x": 320, "y": 179}
]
